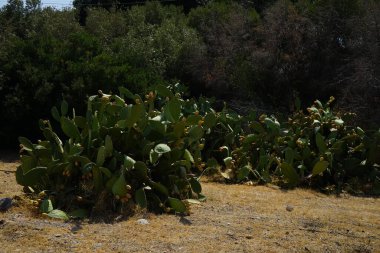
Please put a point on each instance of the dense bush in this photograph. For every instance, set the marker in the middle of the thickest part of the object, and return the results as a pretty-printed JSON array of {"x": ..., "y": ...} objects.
[
  {"x": 310, "y": 49},
  {"x": 315, "y": 148},
  {"x": 264, "y": 52},
  {"x": 226, "y": 65},
  {"x": 46, "y": 55},
  {"x": 123, "y": 151}
]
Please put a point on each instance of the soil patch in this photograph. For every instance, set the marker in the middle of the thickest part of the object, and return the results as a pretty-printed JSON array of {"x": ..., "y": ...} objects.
[{"x": 235, "y": 218}]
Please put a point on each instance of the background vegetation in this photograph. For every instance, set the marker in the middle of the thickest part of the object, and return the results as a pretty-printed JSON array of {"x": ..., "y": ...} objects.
[{"x": 266, "y": 53}]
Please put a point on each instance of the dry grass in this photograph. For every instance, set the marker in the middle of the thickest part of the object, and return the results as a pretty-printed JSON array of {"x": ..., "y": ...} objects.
[{"x": 235, "y": 218}]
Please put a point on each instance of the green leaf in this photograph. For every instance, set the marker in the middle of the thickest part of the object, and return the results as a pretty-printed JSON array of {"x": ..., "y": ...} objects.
[
  {"x": 243, "y": 172},
  {"x": 179, "y": 129},
  {"x": 108, "y": 145},
  {"x": 46, "y": 206},
  {"x": 124, "y": 92},
  {"x": 289, "y": 173},
  {"x": 53, "y": 139},
  {"x": 195, "y": 185},
  {"x": 33, "y": 177},
  {"x": 106, "y": 171},
  {"x": 155, "y": 128},
  {"x": 188, "y": 156},
  {"x": 317, "y": 102},
  {"x": 122, "y": 123},
  {"x": 164, "y": 91},
  {"x": 118, "y": 100},
  {"x": 153, "y": 157},
  {"x": 272, "y": 124},
  {"x": 162, "y": 148},
  {"x": 141, "y": 169},
  {"x": 159, "y": 187},
  {"x": 20, "y": 176},
  {"x": 320, "y": 143},
  {"x": 26, "y": 143},
  {"x": 140, "y": 198},
  {"x": 263, "y": 160},
  {"x": 320, "y": 167},
  {"x": 119, "y": 188},
  {"x": 202, "y": 197},
  {"x": 360, "y": 132},
  {"x": 228, "y": 161},
  {"x": 80, "y": 121},
  {"x": 210, "y": 120},
  {"x": 289, "y": 155},
  {"x": 110, "y": 182},
  {"x": 58, "y": 214},
  {"x": 134, "y": 115},
  {"x": 64, "y": 108},
  {"x": 101, "y": 157},
  {"x": 250, "y": 138},
  {"x": 28, "y": 163},
  {"x": 177, "y": 205},
  {"x": 55, "y": 114},
  {"x": 128, "y": 162},
  {"x": 75, "y": 150},
  {"x": 173, "y": 110},
  {"x": 196, "y": 132},
  {"x": 70, "y": 129}
]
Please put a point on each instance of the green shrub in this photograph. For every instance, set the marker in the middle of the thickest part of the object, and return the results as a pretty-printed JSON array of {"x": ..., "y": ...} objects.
[
  {"x": 46, "y": 55},
  {"x": 227, "y": 29},
  {"x": 315, "y": 148},
  {"x": 123, "y": 151}
]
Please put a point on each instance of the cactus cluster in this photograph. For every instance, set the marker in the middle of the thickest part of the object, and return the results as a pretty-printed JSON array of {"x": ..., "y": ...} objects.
[
  {"x": 314, "y": 148},
  {"x": 150, "y": 152},
  {"x": 126, "y": 150}
]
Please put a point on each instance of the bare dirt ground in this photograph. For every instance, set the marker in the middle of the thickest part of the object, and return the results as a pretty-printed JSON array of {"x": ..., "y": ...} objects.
[{"x": 235, "y": 218}]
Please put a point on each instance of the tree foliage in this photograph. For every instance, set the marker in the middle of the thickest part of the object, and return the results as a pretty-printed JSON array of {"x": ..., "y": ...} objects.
[{"x": 269, "y": 52}]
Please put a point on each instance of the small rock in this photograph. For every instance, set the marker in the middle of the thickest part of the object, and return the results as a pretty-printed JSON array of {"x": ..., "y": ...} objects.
[
  {"x": 143, "y": 221},
  {"x": 118, "y": 218},
  {"x": 274, "y": 186},
  {"x": 98, "y": 245},
  {"x": 57, "y": 235},
  {"x": 249, "y": 237},
  {"x": 185, "y": 221},
  {"x": 5, "y": 204},
  {"x": 289, "y": 208}
]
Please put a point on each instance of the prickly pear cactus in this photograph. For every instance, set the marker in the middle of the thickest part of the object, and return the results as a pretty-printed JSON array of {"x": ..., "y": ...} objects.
[
  {"x": 125, "y": 151},
  {"x": 314, "y": 148}
]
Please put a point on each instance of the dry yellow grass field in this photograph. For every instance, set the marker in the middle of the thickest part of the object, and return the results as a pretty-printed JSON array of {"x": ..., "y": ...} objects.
[{"x": 235, "y": 218}]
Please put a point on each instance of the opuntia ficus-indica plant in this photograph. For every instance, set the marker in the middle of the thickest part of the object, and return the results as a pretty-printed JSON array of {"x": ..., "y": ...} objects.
[
  {"x": 129, "y": 151},
  {"x": 314, "y": 148},
  {"x": 125, "y": 151}
]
